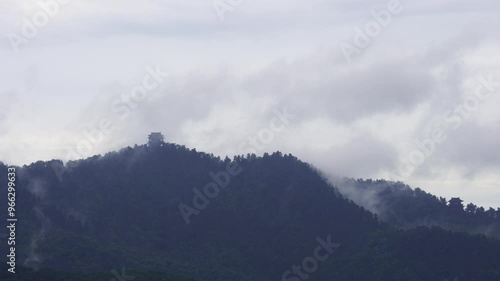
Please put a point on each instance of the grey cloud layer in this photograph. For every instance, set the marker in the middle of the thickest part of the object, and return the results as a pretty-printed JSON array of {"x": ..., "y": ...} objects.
[{"x": 226, "y": 78}]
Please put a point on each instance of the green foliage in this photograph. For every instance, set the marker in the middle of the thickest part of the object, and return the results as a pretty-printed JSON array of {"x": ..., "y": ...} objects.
[
  {"x": 398, "y": 204},
  {"x": 121, "y": 210},
  {"x": 27, "y": 274}
]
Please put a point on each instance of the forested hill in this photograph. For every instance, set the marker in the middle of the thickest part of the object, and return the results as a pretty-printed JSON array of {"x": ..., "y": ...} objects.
[
  {"x": 398, "y": 204},
  {"x": 176, "y": 210}
]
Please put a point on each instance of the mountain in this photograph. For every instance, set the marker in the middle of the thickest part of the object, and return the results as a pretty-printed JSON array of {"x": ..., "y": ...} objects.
[
  {"x": 398, "y": 204},
  {"x": 45, "y": 274},
  {"x": 172, "y": 210}
]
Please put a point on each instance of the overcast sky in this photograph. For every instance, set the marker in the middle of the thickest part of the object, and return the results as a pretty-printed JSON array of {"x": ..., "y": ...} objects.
[{"x": 232, "y": 64}]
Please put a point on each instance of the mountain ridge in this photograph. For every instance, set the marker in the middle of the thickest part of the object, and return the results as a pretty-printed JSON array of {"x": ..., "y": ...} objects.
[{"x": 123, "y": 208}]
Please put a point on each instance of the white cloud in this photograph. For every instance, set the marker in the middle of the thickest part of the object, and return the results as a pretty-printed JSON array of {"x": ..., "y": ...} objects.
[{"x": 226, "y": 77}]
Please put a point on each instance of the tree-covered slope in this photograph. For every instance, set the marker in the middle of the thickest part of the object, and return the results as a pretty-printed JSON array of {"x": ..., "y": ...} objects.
[
  {"x": 398, "y": 204},
  {"x": 45, "y": 274},
  {"x": 175, "y": 210}
]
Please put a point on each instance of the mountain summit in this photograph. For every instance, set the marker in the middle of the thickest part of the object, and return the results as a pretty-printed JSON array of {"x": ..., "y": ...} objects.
[{"x": 174, "y": 210}]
